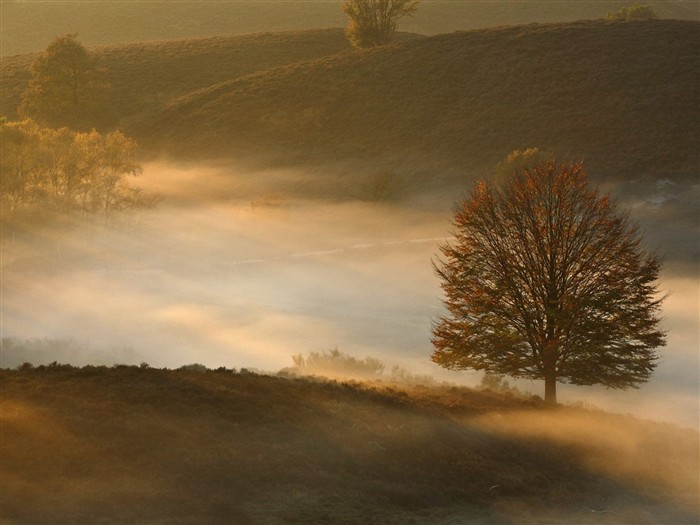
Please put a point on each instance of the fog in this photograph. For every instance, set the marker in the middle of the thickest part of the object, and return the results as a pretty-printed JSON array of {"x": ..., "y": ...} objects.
[{"x": 244, "y": 269}]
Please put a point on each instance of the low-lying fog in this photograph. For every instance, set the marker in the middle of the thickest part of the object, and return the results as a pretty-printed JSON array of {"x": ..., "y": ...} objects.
[{"x": 236, "y": 273}]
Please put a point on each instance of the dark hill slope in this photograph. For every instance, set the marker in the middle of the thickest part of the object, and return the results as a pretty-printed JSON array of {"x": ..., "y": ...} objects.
[
  {"x": 624, "y": 94},
  {"x": 136, "y": 445},
  {"x": 145, "y": 76}
]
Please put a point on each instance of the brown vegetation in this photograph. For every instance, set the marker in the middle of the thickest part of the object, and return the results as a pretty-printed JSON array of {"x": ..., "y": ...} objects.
[
  {"x": 547, "y": 279},
  {"x": 144, "y": 76},
  {"x": 621, "y": 93},
  {"x": 140, "y": 445}
]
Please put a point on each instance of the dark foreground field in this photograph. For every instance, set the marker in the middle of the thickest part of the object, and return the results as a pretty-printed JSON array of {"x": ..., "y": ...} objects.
[{"x": 140, "y": 445}]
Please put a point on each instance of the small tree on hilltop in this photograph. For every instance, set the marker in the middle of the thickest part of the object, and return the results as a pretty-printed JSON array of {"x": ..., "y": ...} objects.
[
  {"x": 66, "y": 88},
  {"x": 632, "y": 12},
  {"x": 547, "y": 280},
  {"x": 373, "y": 22}
]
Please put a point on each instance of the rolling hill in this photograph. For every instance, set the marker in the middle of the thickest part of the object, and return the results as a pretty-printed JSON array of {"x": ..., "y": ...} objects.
[
  {"x": 133, "y": 444},
  {"x": 29, "y": 26},
  {"x": 144, "y": 76},
  {"x": 621, "y": 94}
]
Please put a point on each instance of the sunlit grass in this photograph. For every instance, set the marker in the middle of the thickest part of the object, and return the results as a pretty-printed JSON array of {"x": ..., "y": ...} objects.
[{"x": 139, "y": 445}]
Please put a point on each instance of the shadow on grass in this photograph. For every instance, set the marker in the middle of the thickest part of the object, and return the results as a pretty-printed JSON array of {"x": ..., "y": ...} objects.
[{"x": 133, "y": 445}]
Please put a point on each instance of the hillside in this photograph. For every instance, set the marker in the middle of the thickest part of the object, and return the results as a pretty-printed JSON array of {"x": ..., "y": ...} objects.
[
  {"x": 139, "y": 445},
  {"x": 144, "y": 76},
  {"x": 622, "y": 94},
  {"x": 29, "y": 26}
]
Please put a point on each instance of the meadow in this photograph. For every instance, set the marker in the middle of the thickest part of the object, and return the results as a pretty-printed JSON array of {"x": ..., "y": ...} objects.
[{"x": 130, "y": 444}]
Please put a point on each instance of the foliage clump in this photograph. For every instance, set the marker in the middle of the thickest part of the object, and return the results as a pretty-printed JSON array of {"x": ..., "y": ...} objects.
[
  {"x": 194, "y": 367},
  {"x": 334, "y": 363},
  {"x": 373, "y": 22},
  {"x": 67, "y": 88},
  {"x": 60, "y": 172},
  {"x": 497, "y": 383},
  {"x": 631, "y": 12}
]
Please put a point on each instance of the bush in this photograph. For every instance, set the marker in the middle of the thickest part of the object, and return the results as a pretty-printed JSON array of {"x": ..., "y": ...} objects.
[
  {"x": 194, "y": 367},
  {"x": 336, "y": 364},
  {"x": 632, "y": 11},
  {"x": 495, "y": 383}
]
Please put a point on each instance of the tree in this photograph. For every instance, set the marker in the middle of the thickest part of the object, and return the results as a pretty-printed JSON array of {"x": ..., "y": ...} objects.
[
  {"x": 631, "y": 12},
  {"x": 373, "y": 22},
  {"x": 103, "y": 162},
  {"x": 547, "y": 280},
  {"x": 63, "y": 172},
  {"x": 66, "y": 88}
]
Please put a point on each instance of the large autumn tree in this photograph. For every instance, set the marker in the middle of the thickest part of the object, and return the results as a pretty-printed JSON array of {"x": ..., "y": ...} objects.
[
  {"x": 67, "y": 88},
  {"x": 373, "y": 22},
  {"x": 547, "y": 279}
]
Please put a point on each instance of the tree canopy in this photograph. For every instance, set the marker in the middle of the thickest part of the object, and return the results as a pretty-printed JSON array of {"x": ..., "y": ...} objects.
[
  {"x": 631, "y": 12},
  {"x": 63, "y": 172},
  {"x": 66, "y": 89},
  {"x": 546, "y": 279},
  {"x": 373, "y": 22}
]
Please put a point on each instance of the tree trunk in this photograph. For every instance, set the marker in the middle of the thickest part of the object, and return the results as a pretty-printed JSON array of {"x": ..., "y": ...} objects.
[{"x": 550, "y": 389}]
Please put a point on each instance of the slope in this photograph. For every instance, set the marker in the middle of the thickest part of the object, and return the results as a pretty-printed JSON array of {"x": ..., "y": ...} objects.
[
  {"x": 139, "y": 445},
  {"x": 146, "y": 75},
  {"x": 622, "y": 94}
]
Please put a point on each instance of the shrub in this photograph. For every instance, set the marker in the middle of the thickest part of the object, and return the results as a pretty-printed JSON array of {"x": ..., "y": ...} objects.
[
  {"x": 194, "y": 367},
  {"x": 337, "y": 364},
  {"x": 632, "y": 11},
  {"x": 495, "y": 383}
]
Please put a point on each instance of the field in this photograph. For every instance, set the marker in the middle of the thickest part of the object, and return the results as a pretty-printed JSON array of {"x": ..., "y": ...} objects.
[
  {"x": 140, "y": 445},
  {"x": 463, "y": 101},
  {"x": 147, "y": 76}
]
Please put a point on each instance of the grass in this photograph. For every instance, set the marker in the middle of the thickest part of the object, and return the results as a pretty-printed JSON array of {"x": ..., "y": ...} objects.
[
  {"x": 621, "y": 94},
  {"x": 140, "y": 445},
  {"x": 145, "y": 76}
]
